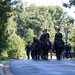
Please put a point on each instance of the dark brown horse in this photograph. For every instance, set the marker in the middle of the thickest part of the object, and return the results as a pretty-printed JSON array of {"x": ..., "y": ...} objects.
[{"x": 59, "y": 47}]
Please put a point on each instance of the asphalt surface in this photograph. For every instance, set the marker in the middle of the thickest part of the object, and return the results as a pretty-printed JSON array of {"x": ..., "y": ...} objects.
[
  {"x": 38, "y": 67},
  {"x": 5, "y": 68},
  {"x": 43, "y": 67}
]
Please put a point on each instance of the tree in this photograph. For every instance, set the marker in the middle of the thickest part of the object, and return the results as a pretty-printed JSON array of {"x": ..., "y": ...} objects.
[
  {"x": 15, "y": 44},
  {"x": 16, "y": 47},
  {"x": 5, "y": 9},
  {"x": 28, "y": 36},
  {"x": 70, "y": 4},
  {"x": 38, "y": 18}
]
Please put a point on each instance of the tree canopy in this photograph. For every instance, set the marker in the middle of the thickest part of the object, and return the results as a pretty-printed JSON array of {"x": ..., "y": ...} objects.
[
  {"x": 5, "y": 10},
  {"x": 69, "y": 4}
]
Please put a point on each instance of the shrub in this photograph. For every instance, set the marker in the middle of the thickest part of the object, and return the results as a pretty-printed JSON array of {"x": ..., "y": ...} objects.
[{"x": 16, "y": 47}]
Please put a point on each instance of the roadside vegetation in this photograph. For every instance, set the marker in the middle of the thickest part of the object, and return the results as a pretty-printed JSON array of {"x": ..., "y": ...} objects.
[{"x": 19, "y": 23}]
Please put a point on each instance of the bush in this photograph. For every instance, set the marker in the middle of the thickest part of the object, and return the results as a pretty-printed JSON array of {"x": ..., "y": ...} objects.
[
  {"x": 16, "y": 47},
  {"x": 4, "y": 53}
]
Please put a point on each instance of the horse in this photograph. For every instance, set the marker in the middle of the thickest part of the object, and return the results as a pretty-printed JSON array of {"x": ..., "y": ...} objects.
[
  {"x": 59, "y": 47},
  {"x": 45, "y": 47},
  {"x": 35, "y": 49}
]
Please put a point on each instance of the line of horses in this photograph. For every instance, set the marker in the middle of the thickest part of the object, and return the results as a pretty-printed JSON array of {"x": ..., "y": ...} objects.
[{"x": 39, "y": 51}]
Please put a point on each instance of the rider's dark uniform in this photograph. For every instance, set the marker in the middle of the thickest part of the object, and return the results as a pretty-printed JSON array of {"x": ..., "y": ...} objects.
[
  {"x": 44, "y": 38},
  {"x": 58, "y": 45},
  {"x": 58, "y": 36},
  {"x": 45, "y": 44}
]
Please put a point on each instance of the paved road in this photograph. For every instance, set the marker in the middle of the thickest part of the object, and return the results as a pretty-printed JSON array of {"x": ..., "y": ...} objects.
[{"x": 43, "y": 67}]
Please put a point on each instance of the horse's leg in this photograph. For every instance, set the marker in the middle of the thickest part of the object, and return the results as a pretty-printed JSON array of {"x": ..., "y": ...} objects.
[{"x": 51, "y": 53}]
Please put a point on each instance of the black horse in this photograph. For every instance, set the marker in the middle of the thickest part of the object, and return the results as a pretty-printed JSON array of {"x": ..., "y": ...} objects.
[
  {"x": 59, "y": 47},
  {"x": 40, "y": 50},
  {"x": 45, "y": 47},
  {"x": 45, "y": 44},
  {"x": 36, "y": 49}
]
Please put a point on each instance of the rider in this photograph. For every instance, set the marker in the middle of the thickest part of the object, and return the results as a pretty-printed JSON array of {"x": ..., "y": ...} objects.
[
  {"x": 44, "y": 39},
  {"x": 58, "y": 44},
  {"x": 58, "y": 35}
]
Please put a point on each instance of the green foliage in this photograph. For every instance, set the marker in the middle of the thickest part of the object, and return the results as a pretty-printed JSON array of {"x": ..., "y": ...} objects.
[
  {"x": 3, "y": 58},
  {"x": 52, "y": 32},
  {"x": 72, "y": 37},
  {"x": 71, "y": 3},
  {"x": 39, "y": 18},
  {"x": 4, "y": 53},
  {"x": 16, "y": 47},
  {"x": 5, "y": 13},
  {"x": 28, "y": 37}
]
